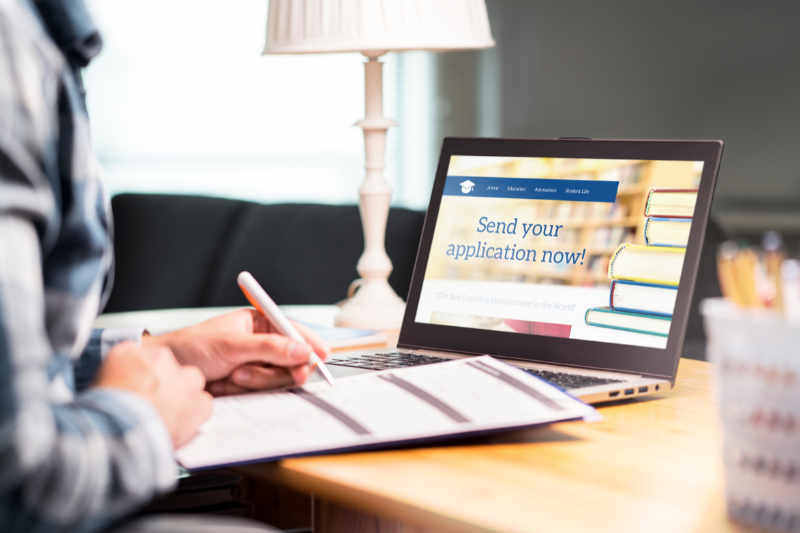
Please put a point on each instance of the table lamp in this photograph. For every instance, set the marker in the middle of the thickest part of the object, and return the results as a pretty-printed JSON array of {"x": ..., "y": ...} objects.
[{"x": 374, "y": 27}]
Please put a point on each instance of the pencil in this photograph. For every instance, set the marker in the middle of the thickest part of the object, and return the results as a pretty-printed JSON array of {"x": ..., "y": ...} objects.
[
  {"x": 746, "y": 263},
  {"x": 774, "y": 255},
  {"x": 726, "y": 271}
]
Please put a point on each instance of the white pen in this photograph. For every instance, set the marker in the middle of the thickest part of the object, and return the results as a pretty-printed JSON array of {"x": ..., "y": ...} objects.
[{"x": 264, "y": 304}]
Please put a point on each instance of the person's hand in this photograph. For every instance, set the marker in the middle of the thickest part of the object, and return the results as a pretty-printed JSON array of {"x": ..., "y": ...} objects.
[
  {"x": 175, "y": 390},
  {"x": 241, "y": 351}
]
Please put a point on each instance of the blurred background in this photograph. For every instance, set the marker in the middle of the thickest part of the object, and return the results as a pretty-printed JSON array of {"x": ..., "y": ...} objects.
[{"x": 181, "y": 100}]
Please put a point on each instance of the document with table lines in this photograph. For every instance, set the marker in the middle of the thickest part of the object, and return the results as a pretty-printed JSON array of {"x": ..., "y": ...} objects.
[{"x": 464, "y": 396}]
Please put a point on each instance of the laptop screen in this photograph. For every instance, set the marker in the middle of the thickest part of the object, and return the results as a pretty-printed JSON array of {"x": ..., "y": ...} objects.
[{"x": 588, "y": 249}]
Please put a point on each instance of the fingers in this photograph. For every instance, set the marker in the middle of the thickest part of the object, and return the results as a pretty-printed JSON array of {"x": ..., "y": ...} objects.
[
  {"x": 317, "y": 343},
  {"x": 126, "y": 367},
  {"x": 193, "y": 377},
  {"x": 262, "y": 325},
  {"x": 160, "y": 357},
  {"x": 202, "y": 406},
  {"x": 269, "y": 348},
  {"x": 225, "y": 387},
  {"x": 252, "y": 377},
  {"x": 186, "y": 388},
  {"x": 153, "y": 372},
  {"x": 165, "y": 364},
  {"x": 300, "y": 374}
]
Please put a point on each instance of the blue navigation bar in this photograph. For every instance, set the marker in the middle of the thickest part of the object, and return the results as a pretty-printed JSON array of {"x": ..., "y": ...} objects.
[{"x": 532, "y": 189}]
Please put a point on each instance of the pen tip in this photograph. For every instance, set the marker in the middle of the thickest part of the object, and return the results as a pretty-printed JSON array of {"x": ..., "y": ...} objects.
[{"x": 326, "y": 374}]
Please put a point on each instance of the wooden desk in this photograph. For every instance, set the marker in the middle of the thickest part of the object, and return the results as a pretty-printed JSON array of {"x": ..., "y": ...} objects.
[{"x": 651, "y": 465}]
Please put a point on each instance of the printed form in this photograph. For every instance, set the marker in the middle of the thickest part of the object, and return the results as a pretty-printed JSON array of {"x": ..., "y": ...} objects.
[{"x": 390, "y": 406}]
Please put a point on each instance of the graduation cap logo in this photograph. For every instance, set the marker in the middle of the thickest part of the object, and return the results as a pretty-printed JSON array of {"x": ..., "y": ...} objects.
[{"x": 466, "y": 186}]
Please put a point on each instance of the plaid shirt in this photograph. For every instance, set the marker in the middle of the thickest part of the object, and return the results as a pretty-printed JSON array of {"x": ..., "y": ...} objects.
[{"x": 71, "y": 457}]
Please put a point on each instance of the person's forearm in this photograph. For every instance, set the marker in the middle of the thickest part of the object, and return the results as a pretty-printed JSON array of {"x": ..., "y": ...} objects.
[
  {"x": 77, "y": 464},
  {"x": 103, "y": 456}
]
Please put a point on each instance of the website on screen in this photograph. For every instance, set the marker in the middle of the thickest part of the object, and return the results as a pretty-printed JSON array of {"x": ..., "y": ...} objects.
[{"x": 587, "y": 249}]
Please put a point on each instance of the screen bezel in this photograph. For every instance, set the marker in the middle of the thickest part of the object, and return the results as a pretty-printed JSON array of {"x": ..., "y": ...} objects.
[{"x": 652, "y": 362}]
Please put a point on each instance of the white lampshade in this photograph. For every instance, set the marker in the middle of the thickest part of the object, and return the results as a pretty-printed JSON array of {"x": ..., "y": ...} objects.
[{"x": 314, "y": 26}]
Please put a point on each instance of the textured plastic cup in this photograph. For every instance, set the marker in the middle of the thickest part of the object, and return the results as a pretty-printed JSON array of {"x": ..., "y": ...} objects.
[{"x": 756, "y": 358}]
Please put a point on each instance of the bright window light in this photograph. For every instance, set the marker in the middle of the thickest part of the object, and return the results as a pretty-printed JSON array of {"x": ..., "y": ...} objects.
[{"x": 181, "y": 101}]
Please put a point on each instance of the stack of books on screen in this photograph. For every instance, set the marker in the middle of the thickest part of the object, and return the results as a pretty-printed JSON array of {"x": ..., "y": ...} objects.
[
  {"x": 645, "y": 278},
  {"x": 671, "y": 203},
  {"x": 669, "y": 213}
]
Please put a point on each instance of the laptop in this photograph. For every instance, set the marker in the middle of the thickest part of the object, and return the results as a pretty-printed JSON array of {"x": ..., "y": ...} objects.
[{"x": 572, "y": 259}]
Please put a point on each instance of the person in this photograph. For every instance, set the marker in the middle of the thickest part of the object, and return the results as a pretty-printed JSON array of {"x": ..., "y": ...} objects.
[{"x": 90, "y": 418}]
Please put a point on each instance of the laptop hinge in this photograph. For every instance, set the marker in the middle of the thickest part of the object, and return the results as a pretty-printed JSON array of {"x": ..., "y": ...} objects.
[{"x": 530, "y": 361}]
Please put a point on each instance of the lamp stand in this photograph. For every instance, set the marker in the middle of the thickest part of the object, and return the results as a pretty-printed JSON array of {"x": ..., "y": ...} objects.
[{"x": 374, "y": 305}]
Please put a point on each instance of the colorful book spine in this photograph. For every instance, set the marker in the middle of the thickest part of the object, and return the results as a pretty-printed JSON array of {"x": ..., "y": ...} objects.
[
  {"x": 653, "y": 320},
  {"x": 663, "y": 219},
  {"x": 589, "y": 322},
  {"x": 612, "y": 275},
  {"x": 612, "y": 301},
  {"x": 647, "y": 212}
]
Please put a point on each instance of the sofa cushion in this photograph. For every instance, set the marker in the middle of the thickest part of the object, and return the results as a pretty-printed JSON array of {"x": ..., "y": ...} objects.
[{"x": 186, "y": 251}]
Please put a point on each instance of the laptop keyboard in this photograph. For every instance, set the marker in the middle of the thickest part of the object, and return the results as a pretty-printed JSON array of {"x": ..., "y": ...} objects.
[
  {"x": 569, "y": 381},
  {"x": 382, "y": 361}
]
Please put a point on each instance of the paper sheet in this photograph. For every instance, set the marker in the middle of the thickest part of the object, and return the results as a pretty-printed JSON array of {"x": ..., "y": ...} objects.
[{"x": 389, "y": 406}]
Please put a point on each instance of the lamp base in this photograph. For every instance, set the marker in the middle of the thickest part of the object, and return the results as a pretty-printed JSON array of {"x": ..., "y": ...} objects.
[{"x": 374, "y": 306}]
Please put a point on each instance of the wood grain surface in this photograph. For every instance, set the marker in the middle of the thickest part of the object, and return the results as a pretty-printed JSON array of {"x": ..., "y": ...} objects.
[{"x": 651, "y": 465}]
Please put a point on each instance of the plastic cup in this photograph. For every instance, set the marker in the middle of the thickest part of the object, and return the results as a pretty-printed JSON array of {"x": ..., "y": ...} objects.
[{"x": 756, "y": 356}]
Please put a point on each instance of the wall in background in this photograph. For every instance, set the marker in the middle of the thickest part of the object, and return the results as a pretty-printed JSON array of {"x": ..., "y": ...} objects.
[
  {"x": 628, "y": 69},
  {"x": 182, "y": 111}
]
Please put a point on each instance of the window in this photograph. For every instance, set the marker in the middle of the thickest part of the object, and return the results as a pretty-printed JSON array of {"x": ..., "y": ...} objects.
[{"x": 181, "y": 101}]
